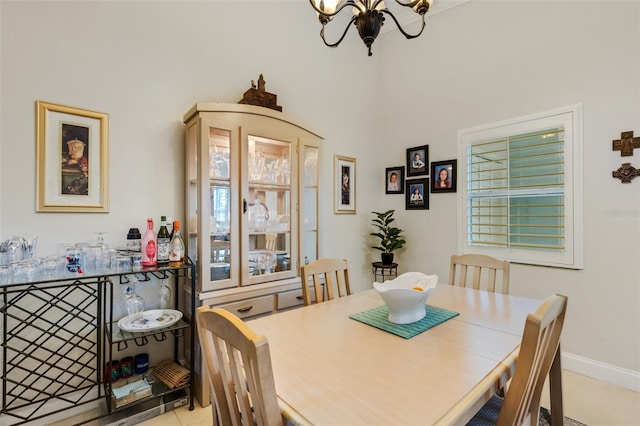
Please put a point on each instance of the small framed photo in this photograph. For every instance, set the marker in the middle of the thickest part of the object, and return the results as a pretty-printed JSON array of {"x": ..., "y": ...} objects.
[
  {"x": 417, "y": 194},
  {"x": 344, "y": 181},
  {"x": 418, "y": 160},
  {"x": 72, "y": 159},
  {"x": 444, "y": 176},
  {"x": 394, "y": 180}
]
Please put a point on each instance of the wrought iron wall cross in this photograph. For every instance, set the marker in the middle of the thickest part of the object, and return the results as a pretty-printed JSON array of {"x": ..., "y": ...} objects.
[{"x": 626, "y": 144}]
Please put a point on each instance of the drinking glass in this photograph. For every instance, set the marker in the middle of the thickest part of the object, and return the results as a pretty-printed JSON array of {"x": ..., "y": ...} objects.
[
  {"x": 74, "y": 259},
  {"x": 52, "y": 265},
  {"x": 133, "y": 303},
  {"x": 123, "y": 263},
  {"x": 91, "y": 256},
  {"x": 30, "y": 246}
]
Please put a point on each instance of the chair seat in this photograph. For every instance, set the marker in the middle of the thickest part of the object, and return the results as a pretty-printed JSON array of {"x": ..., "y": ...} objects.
[{"x": 488, "y": 414}]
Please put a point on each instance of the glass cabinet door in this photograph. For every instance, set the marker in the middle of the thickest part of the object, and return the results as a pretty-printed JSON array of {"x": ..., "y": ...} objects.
[
  {"x": 268, "y": 204},
  {"x": 209, "y": 204},
  {"x": 220, "y": 204},
  {"x": 309, "y": 232}
]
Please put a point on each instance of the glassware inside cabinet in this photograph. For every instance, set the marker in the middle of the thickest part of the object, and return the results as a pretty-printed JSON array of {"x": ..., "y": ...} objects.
[
  {"x": 309, "y": 203},
  {"x": 219, "y": 223},
  {"x": 269, "y": 206}
]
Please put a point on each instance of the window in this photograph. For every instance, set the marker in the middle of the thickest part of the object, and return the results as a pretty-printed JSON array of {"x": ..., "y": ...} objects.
[{"x": 521, "y": 196}]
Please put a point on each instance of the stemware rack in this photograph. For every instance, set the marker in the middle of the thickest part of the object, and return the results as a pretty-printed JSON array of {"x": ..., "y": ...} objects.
[{"x": 58, "y": 334}]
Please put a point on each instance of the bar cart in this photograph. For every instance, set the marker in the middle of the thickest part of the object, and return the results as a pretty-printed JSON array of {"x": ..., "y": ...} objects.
[{"x": 59, "y": 332}]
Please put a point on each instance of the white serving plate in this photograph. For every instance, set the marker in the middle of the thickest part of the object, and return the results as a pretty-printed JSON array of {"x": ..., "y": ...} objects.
[{"x": 149, "y": 320}]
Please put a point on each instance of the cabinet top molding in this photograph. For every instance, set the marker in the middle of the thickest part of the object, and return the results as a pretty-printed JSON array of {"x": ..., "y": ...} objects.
[{"x": 200, "y": 107}]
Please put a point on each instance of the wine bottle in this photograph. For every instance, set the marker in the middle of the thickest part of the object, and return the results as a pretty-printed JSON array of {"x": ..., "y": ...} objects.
[
  {"x": 149, "y": 246},
  {"x": 176, "y": 247},
  {"x": 170, "y": 227},
  {"x": 163, "y": 240}
]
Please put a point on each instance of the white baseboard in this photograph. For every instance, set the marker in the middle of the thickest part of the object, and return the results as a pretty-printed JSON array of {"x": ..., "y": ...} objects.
[{"x": 622, "y": 377}]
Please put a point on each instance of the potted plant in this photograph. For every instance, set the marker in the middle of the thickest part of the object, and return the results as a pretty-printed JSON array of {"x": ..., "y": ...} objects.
[{"x": 391, "y": 238}]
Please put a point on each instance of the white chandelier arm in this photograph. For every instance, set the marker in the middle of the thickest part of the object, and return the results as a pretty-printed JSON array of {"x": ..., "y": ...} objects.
[
  {"x": 343, "y": 34},
  {"x": 407, "y": 35}
]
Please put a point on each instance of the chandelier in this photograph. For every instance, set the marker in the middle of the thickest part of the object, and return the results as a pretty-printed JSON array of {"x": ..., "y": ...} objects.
[{"x": 368, "y": 17}]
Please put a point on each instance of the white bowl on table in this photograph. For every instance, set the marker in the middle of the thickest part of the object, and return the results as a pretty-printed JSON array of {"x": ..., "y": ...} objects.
[{"x": 406, "y": 296}]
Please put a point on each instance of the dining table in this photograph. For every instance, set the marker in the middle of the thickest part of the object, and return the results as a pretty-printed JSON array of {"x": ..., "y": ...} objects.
[{"x": 331, "y": 369}]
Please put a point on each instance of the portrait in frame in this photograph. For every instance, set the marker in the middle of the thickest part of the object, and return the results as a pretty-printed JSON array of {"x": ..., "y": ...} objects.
[
  {"x": 72, "y": 149},
  {"x": 344, "y": 185},
  {"x": 444, "y": 176},
  {"x": 394, "y": 180},
  {"x": 418, "y": 161},
  {"x": 417, "y": 194}
]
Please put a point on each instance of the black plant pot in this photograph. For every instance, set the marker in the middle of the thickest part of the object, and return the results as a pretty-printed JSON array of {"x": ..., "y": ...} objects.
[{"x": 387, "y": 258}]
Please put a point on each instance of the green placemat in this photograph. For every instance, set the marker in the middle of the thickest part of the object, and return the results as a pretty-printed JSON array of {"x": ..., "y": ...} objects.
[{"x": 378, "y": 317}]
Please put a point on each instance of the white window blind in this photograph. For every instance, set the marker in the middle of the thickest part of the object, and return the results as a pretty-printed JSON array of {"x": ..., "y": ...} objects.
[{"x": 520, "y": 184}]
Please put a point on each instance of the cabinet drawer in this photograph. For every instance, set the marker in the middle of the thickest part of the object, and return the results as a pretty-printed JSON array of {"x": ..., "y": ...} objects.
[
  {"x": 292, "y": 298},
  {"x": 289, "y": 299},
  {"x": 250, "y": 307}
]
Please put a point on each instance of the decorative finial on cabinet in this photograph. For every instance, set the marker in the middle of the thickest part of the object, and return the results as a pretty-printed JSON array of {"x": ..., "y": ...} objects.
[{"x": 259, "y": 96}]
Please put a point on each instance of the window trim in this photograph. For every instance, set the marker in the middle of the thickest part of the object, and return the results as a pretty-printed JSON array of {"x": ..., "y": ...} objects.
[{"x": 571, "y": 117}]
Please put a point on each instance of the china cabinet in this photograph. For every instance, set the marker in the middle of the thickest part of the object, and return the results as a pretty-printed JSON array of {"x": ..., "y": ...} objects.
[{"x": 252, "y": 207}]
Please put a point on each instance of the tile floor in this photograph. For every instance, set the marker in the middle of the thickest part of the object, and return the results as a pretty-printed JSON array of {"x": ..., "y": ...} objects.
[{"x": 587, "y": 400}]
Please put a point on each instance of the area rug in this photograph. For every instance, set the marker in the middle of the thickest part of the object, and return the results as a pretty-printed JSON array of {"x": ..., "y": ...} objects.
[
  {"x": 545, "y": 419},
  {"x": 488, "y": 415}
]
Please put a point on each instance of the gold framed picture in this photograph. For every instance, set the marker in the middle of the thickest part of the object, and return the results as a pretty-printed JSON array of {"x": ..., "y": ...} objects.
[
  {"x": 72, "y": 148},
  {"x": 344, "y": 184}
]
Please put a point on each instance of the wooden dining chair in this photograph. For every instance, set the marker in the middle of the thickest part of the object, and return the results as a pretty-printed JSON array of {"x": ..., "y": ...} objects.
[
  {"x": 539, "y": 352},
  {"x": 239, "y": 370},
  {"x": 220, "y": 250},
  {"x": 485, "y": 271},
  {"x": 332, "y": 273},
  {"x": 270, "y": 241}
]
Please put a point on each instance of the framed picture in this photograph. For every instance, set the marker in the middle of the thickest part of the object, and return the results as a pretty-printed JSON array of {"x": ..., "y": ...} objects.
[
  {"x": 344, "y": 185},
  {"x": 443, "y": 176},
  {"x": 394, "y": 180},
  {"x": 417, "y": 194},
  {"x": 417, "y": 160},
  {"x": 72, "y": 150}
]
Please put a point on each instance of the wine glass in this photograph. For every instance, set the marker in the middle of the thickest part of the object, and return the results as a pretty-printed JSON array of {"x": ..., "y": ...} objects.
[
  {"x": 133, "y": 303},
  {"x": 100, "y": 240},
  {"x": 164, "y": 296}
]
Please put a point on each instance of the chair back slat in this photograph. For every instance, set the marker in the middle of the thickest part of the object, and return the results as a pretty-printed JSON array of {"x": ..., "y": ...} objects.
[
  {"x": 330, "y": 278},
  {"x": 485, "y": 272},
  {"x": 239, "y": 370}
]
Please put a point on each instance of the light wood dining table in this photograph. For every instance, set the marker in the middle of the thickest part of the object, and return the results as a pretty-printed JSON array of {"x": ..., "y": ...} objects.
[{"x": 332, "y": 370}]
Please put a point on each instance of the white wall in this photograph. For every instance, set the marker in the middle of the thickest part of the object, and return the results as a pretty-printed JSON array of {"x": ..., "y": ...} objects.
[
  {"x": 146, "y": 63},
  {"x": 493, "y": 60}
]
